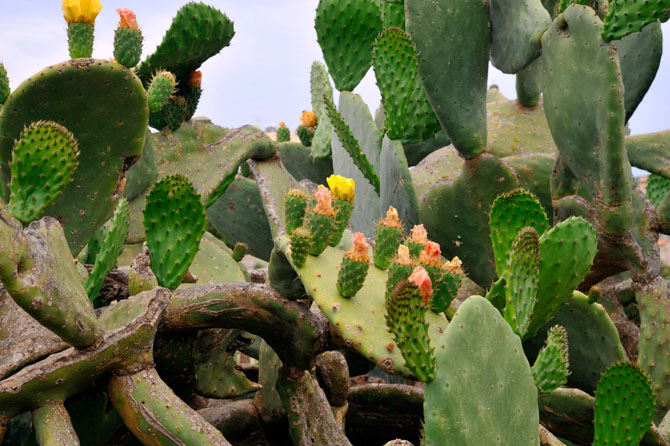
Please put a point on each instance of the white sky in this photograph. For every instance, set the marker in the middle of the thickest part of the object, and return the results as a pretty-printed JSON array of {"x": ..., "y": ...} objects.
[{"x": 261, "y": 78}]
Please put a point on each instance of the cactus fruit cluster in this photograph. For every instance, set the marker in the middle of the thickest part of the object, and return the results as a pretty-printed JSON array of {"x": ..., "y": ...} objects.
[{"x": 129, "y": 313}]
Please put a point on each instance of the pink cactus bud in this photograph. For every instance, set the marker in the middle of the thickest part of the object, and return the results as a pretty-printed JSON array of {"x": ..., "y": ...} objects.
[
  {"x": 392, "y": 220},
  {"x": 421, "y": 279},
  {"x": 430, "y": 255},
  {"x": 127, "y": 18},
  {"x": 324, "y": 204},
  {"x": 419, "y": 235},
  {"x": 453, "y": 266},
  {"x": 403, "y": 257},
  {"x": 359, "y": 249}
]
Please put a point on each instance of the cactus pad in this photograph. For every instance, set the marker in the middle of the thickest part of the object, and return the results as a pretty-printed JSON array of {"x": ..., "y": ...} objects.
[
  {"x": 346, "y": 31},
  {"x": 108, "y": 110},
  {"x": 405, "y": 319},
  {"x": 174, "y": 220},
  {"x": 484, "y": 392},
  {"x": 320, "y": 88},
  {"x": 453, "y": 38},
  {"x": 359, "y": 319},
  {"x": 128, "y": 46},
  {"x": 626, "y": 17},
  {"x": 624, "y": 406},
  {"x": 510, "y": 212},
  {"x": 409, "y": 116},
  {"x": 110, "y": 249},
  {"x": 351, "y": 276},
  {"x": 521, "y": 280},
  {"x": 516, "y": 28},
  {"x": 197, "y": 33},
  {"x": 161, "y": 90},
  {"x": 301, "y": 241},
  {"x": 295, "y": 204},
  {"x": 4, "y": 84},
  {"x": 43, "y": 161},
  {"x": 550, "y": 370}
]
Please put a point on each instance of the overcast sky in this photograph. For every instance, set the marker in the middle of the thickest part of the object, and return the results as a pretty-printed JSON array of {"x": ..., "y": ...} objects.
[{"x": 261, "y": 78}]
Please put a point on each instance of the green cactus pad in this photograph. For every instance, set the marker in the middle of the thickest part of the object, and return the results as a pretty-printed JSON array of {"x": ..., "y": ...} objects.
[
  {"x": 110, "y": 249},
  {"x": 409, "y": 116},
  {"x": 453, "y": 38},
  {"x": 4, "y": 84},
  {"x": 484, "y": 393},
  {"x": 305, "y": 134},
  {"x": 301, "y": 163},
  {"x": 80, "y": 39},
  {"x": 593, "y": 145},
  {"x": 128, "y": 46},
  {"x": 587, "y": 325},
  {"x": 397, "y": 273},
  {"x": 566, "y": 254},
  {"x": 346, "y": 32},
  {"x": 352, "y": 146},
  {"x": 197, "y": 33},
  {"x": 343, "y": 210},
  {"x": 301, "y": 245},
  {"x": 43, "y": 161},
  {"x": 174, "y": 221},
  {"x": 521, "y": 280},
  {"x": 654, "y": 336},
  {"x": 387, "y": 240},
  {"x": 624, "y": 406},
  {"x": 529, "y": 83},
  {"x": 405, "y": 319},
  {"x": 649, "y": 152},
  {"x": 113, "y": 116},
  {"x": 161, "y": 90},
  {"x": 639, "y": 59},
  {"x": 356, "y": 115},
  {"x": 320, "y": 87},
  {"x": 295, "y": 204},
  {"x": 511, "y": 212},
  {"x": 239, "y": 251},
  {"x": 445, "y": 287},
  {"x": 393, "y": 13},
  {"x": 320, "y": 226},
  {"x": 550, "y": 370},
  {"x": 351, "y": 276},
  {"x": 625, "y": 17},
  {"x": 283, "y": 134},
  {"x": 657, "y": 189},
  {"x": 360, "y": 320},
  {"x": 516, "y": 29}
]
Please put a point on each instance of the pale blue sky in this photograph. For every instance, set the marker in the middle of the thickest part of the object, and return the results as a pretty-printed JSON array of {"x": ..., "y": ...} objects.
[{"x": 261, "y": 78}]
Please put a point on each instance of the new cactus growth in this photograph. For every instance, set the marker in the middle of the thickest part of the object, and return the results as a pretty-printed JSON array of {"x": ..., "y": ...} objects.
[
  {"x": 174, "y": 220},
  {"x": 283, "y": 133},
  {"x": 321, "y": 220},
  {"x": 446, "y": 278},
  {"x": 80, "y": 17},
  {"x": 239, "y": 251},
  {"x": 343, "y": 190},
  {"x": 387, "y": 239},
  {"x": 551, "y": 367},
  {"x": 405, "y": 311},
  {"x": 400, "y": 269},
  {"x": 161, "y": 90},
  {"x": 416, "y": 242},
  {"x": 624, "y": 406},
  {"x": 354, "y": 267},
  {"x": 128, "y": 39},
  {"x": 301, "y": 245},
  {"x": 110, "y": 249},
  {"x": 296, "y": 206},
  {"x": 43, "y": 160}
]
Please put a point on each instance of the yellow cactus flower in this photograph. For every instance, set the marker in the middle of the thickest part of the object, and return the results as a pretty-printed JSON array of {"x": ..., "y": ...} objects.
[
  {"x": 81, "y": 10},
  {"x": 308, "y": 118},
  {"x": 342, "y": 187}
]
